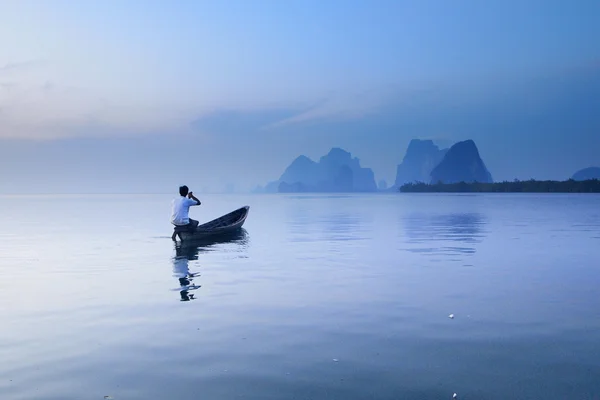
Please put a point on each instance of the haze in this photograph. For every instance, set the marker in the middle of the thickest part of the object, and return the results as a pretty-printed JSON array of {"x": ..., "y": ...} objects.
[{"x": 144, "y": 96}]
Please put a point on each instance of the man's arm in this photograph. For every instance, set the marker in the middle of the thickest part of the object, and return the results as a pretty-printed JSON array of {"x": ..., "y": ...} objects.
[{"x": 191, "y": 196}]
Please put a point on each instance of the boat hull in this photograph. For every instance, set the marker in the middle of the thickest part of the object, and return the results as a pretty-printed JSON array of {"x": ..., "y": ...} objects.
[{"x": 224, "y": 225}]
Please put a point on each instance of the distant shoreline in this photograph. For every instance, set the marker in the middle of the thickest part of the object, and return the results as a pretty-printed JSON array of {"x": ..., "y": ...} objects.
[{"x": 530, "y": 186}]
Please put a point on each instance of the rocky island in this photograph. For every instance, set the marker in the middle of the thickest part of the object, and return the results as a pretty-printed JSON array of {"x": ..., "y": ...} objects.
[
  {"x": 587, "y": 173},
  {"x": 424, "y": 168},
  {"x": 421, "y": 157},
  {"x": 337, "y": 171},
  {"x": 461, "y": 163}
]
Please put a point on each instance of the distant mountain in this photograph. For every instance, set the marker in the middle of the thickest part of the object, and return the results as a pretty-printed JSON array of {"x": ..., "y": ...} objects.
[
  {"x": 335, "y": 172},
  {"x": 461, "y": 163},
  {"x": 302, "y": 169},
  {"x": 421, "y": 157},
  {"x": 587, "y": 173}
]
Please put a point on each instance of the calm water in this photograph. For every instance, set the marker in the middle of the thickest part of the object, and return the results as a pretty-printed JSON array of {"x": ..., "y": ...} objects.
[{"x": 322, "y": 297}]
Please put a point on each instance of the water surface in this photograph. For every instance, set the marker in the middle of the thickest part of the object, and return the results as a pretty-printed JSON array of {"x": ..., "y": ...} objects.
[{"x": 320, "y": 297}]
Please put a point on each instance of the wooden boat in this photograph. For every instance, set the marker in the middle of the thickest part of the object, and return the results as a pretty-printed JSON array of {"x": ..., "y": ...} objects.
[
  {"x": 224, "y": 225},
  {"x": 191, "y": 248}
]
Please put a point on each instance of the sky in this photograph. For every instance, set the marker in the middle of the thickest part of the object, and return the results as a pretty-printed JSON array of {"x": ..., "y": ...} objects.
[{"x": 142, "y": 96}]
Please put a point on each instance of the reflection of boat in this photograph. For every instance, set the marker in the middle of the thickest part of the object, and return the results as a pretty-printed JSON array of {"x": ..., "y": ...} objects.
[
  {"x": 226, "y": 224},
  {"x": 201, "y": 244}
]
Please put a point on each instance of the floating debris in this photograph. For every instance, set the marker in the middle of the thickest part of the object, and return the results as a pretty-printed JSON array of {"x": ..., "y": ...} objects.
[
  {"x": 108, "y": 397},
  {"x": 335, "y": 360},
  {"x": 454, "y": 396},
  {"x": 451, "y": 316}
]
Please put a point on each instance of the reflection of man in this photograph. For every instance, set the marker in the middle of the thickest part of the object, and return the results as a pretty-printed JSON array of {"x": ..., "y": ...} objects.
[
  {"x": 182, "y": 272},
  {"x": 180, "y": 209}
]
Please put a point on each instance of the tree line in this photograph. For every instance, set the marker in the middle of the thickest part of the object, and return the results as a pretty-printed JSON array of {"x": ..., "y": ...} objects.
[{"x": 516, "y": 186}]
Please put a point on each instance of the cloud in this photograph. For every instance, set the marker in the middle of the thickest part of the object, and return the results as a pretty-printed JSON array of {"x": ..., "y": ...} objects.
[
  {"x": 38, "y": 103},
  {"x": 20, "y": 66},
  {"x": 338, "y": 106},
  {"x": 343, "y": 105},
  {"x": 440, "y": 111},
  {"x": 50, "y": 111},
  {"x": 551, "y": 139},
  {"x": 522, "y": 126},
  {"x": 36, "y": 111},
  {"x": 332, "y": 108},
  {"x": 242, "y": 122}
]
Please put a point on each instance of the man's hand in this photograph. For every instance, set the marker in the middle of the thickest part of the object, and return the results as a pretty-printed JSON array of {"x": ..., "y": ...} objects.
[{"x": 191, "y": 196}]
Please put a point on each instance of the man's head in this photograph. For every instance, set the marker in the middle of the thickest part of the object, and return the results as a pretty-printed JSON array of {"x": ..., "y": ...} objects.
[{"x": 183, "y": 190}]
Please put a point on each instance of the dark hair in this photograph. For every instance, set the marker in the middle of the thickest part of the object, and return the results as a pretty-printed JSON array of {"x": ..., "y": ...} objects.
[{"x": 183, "y": 190}]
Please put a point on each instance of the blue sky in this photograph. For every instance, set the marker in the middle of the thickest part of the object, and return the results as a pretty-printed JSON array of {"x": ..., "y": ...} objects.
[{"x": 232, "y": 91}]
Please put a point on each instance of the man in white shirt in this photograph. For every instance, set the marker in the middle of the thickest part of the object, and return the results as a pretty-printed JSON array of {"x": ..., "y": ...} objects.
[{"x": 180, "y": 211}]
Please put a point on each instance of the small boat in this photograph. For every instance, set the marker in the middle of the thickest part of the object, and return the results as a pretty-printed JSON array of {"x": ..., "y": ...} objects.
[{"x": 225, "y": 224}]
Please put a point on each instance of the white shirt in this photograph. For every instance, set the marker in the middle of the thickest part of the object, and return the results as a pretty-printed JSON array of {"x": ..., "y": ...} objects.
[{"x": 180, "y": 210}]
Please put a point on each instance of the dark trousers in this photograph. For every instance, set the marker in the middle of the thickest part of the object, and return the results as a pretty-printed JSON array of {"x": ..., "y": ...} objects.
[{"x": 185, "y": 228}]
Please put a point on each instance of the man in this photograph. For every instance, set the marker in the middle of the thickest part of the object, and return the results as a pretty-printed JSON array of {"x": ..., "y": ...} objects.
[{"x": 180, "y": 211}]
